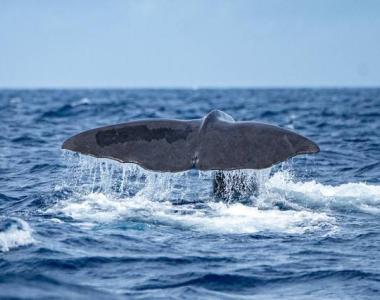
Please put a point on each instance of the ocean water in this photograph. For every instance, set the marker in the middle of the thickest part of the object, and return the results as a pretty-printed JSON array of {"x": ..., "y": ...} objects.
[{"x": 75, "y": 227}]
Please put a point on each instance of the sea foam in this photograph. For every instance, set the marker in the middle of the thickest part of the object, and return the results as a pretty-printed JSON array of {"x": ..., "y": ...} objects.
[{"x": 14, "y": 233}]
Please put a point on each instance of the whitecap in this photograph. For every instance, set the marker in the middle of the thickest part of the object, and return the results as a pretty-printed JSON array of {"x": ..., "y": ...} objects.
[
  {"x": 354, "y": 196},
  {"x": 14, "y": 233},
  {"x": 82, "y": 101}
]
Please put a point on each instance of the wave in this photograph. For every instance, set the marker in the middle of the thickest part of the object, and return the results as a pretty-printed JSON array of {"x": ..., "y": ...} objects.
[
  {"x": 237, "y": 282},
  {"x": 66, "y": 109},
  {"x": 359, "y": 196},
  {"x": 14, "y": 233}
]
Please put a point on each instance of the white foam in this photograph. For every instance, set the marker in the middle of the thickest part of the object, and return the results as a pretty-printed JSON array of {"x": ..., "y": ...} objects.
[
  {"x": 239, "y": 218},
  {"x": 360, "y": 196},
  {"x": 17, "y": 234},
  {"x": 214, "y": 217}
]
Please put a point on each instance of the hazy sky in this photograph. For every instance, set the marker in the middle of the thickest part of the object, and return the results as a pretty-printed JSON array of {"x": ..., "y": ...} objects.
[{"x": 189, "y": 43}]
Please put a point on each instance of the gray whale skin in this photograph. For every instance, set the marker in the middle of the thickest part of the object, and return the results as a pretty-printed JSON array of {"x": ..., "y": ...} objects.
[{"x": 215, "y": 142}]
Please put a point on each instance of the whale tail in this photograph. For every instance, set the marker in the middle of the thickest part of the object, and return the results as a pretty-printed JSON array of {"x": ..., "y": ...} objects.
[{"x": 215, "y": 142}]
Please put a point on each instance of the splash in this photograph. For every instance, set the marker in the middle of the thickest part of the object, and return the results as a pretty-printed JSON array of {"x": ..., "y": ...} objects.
[
  {"x": 93, "y": 175},
  {"x": 14, "y": 233},
  {"x": 105, "y": 191}
]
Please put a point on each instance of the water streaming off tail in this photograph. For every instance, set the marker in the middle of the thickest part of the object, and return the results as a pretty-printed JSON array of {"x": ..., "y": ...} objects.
[
  {"x": 239, "y": 185},
  {"x": 93, "y": 175}
]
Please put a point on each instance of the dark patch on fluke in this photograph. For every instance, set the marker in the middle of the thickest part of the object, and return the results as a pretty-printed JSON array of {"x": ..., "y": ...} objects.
[
  {"x": 215, "y": 142},
  {"x": 140, "y": 133}
]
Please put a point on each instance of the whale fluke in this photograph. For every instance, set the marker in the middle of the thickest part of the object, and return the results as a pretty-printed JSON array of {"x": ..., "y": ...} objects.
[{"x": 215, "y": 142}]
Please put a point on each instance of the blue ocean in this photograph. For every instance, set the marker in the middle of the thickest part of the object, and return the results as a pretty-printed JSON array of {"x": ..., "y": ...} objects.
[{"x": 77, "y": 227}]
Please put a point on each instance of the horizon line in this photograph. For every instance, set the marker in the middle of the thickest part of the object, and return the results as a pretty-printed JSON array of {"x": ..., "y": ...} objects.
[{"x": 232, "y": 87}]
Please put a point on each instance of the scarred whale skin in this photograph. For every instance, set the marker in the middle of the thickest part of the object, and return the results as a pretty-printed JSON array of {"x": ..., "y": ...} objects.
[{"x": 215, "y": 142}]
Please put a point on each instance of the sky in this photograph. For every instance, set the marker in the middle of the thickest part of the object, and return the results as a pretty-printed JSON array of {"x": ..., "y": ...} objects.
[{"x": 190, "y": 44}]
